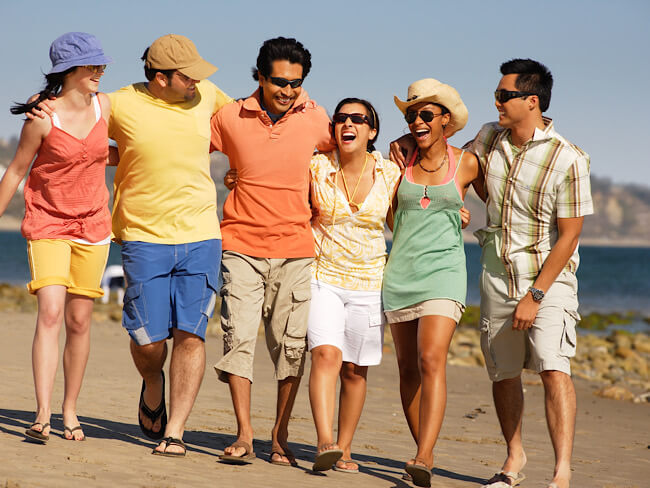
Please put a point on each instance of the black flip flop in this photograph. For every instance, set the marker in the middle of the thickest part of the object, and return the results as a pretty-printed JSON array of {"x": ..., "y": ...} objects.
[{"x": 160, "y": 412}]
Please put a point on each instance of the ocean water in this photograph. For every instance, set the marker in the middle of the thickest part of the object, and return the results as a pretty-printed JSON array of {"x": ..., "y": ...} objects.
[{"x": 610, "y": 279}]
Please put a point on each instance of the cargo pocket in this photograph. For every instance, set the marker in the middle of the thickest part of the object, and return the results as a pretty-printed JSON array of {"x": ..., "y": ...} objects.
[
  {"x": 135, "y": 307},
  {"x": 295, "y": 338},
  {"x": 209, "y": 297},
  {"x": 486, "y": 343},
  {"x": 226, "y": 311},
  {"x": 376, "y": 319},
  {"x": 569, "y": 337}
]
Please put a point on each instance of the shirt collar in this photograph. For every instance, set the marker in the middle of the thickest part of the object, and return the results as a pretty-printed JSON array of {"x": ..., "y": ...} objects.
[
  {"x": 548, "y": 132},
  {"x": 253, "y": 103}
]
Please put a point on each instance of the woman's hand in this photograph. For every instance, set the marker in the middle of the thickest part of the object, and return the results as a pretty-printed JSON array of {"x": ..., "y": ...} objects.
[
  {"x": 465, "y": 217},
  {"x": 230, "y": 179}
]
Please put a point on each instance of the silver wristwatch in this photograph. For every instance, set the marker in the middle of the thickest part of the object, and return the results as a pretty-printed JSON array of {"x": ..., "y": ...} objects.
[{"x": 537, "y": 294}]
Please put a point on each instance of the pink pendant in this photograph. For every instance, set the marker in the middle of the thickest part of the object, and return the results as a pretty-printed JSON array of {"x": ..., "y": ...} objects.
[{"x": 424, "y": 202}]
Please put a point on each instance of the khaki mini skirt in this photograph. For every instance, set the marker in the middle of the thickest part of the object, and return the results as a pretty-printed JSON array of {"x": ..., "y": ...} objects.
[{"x": 438, "y": 306}]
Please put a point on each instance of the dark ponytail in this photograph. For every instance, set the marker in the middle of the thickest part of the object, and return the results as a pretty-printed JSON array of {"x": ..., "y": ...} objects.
[{"x": 53, "y": 85}]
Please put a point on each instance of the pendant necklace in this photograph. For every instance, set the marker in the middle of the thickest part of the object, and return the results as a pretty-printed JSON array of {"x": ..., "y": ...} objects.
[
  {"x": 345, "y": 185},
  {"x": 425, "y": 200}
]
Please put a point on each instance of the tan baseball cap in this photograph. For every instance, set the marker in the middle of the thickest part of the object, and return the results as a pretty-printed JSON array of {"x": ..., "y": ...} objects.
[{"x": 174, "y": 51}]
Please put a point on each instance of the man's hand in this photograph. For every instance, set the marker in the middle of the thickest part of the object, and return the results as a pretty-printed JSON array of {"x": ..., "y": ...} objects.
[
  {"x": 401, "y": 150},
  {"x": 230, "y": 179},
  {"x": 465, "y": 217},
  {"x": 525, "y": 313},
  {"x": 46, "y": 107}
]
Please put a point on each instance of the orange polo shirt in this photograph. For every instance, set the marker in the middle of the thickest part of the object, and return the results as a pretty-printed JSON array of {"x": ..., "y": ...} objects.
[{"x": 267, "y": 214}]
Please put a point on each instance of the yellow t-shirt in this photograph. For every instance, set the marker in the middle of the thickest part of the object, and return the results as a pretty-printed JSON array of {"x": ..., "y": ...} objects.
[{"x": 163, "y": 192}]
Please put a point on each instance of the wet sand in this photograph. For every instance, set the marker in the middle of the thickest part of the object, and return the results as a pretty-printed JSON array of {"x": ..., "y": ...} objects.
[{"x": 611, "y": 449}]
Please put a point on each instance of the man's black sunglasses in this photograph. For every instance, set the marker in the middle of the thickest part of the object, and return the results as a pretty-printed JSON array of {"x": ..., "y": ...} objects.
[
  {"x": 282, "y": 82},
  {"x": 426, "y": 116},
  {"x": 341, "y": 117},
  {"x": 502, "y": 96}
]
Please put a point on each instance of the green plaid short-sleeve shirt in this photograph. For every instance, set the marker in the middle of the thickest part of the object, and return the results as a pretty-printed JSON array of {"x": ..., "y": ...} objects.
[{"x": 548, "y": 179}]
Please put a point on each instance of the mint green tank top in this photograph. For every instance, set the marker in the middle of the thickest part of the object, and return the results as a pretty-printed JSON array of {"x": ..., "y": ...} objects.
[{"x": 427, "y": 260}]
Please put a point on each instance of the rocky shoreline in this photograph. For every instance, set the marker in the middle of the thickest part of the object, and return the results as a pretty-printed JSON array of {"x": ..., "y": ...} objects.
[{"x": 615, "y": 362}]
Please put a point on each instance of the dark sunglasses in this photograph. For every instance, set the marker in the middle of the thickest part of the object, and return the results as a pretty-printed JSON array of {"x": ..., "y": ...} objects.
[
  {"x": 502, "y": 96},
  {"x": 282, "y": 82},
  {"x": 95, "y": 68},
  {"x": 340, "y": 117},
  {"x": 426, "y": 116}
]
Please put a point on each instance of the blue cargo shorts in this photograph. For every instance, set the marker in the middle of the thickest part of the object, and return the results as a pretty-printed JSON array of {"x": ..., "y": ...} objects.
[{"x": 169, "y": 286}]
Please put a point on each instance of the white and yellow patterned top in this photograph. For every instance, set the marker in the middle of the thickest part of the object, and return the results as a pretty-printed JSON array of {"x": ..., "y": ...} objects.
[{"x": 350, "y": 246}]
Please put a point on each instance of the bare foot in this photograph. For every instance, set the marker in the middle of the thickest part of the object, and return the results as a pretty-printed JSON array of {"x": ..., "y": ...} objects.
[
  {"x": 72, "y": 430},
  {"x": 171, "y": 446},
  {"x": 41, "y": 424},
  {"x": 561, "y": 480},
  {"x": 152, "y": 395},
  {"x": 282, "y": 455},
  {"x": 515, "y": 462}
]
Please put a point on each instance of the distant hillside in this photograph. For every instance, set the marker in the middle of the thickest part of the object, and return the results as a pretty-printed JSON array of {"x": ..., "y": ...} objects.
[{"x": 622, "y": 211}]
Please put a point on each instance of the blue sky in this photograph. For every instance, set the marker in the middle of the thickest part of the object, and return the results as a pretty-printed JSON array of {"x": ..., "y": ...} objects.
[{"x": 597, "y": 51}]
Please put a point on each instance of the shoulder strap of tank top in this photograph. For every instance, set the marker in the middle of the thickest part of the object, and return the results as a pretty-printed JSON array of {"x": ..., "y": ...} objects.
[
  {"x": 55, "y": 121},
  {"x": 458, "y": 162},
  {"x": 98, "y": 108}
]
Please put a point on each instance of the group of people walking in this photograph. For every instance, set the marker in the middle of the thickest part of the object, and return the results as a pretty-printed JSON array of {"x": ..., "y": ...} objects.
[{"x": 301, "y": 245}]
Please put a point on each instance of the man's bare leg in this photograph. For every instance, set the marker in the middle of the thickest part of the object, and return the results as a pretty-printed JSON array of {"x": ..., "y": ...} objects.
[
  {"x": 508, "y": 397},
  {"x": 560, "y": 403},
  {"x": 149, "y": 361},
  {"x": 287, "y": 390},
  {"x": 185, "y": 376},
  {"x": 240, "y": 392}
]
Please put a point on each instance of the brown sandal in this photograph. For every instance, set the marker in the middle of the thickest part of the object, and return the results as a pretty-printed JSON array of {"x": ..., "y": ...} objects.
[
  {"x": 37, "y": 435},
  {"x": 244, "y": 458},
  {"x": 420, "y": 472}
]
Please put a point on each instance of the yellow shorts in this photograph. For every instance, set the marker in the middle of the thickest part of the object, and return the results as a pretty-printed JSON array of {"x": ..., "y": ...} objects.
[{"x": 78, "y": 267}]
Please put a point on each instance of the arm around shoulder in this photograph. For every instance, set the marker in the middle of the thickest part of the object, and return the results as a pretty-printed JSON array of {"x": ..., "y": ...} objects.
[{"x": 474, "y": 174}]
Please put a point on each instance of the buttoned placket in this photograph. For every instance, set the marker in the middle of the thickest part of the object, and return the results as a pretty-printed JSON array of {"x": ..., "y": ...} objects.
[{"x": 515, "y": 163}]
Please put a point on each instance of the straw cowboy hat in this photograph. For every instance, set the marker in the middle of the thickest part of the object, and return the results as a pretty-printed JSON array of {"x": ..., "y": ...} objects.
[{"x": 433, "y": 91}]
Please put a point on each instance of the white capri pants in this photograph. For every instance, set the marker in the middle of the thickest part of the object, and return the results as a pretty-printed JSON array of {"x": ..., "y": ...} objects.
[{"x": 350, "y": 320}]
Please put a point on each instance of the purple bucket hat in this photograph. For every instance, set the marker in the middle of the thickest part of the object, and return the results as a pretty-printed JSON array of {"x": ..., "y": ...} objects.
[{"x": 76, "y": 49}]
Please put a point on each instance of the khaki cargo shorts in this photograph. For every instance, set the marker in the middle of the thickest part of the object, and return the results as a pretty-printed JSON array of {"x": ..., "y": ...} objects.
[
  {"x": 547, "y": 346},
  {"x": 275, "y": 292}
]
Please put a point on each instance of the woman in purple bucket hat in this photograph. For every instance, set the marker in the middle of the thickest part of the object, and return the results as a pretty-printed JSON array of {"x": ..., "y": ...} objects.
[{"x": 67, "y": 223}]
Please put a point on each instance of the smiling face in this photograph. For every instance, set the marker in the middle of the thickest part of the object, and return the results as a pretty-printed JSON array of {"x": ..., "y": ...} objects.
[
  {"x": 180, "y": 88},
  {"x": 353, "y": 137},
  {"x": 278, "y": 100},
  {"x": 427, "y": 133},
  {"x": 515, "y": 110},
  {"x": 86, "y": 77}
]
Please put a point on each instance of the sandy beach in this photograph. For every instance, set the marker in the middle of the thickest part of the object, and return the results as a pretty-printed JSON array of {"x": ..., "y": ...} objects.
[{"x": 611, "y": 449}]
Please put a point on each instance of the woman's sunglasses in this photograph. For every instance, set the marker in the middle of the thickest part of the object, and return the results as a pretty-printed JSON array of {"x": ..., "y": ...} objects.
[
  {"x": 95, "y": 68},
  {"x": 426, "y": 116},
  {"x": 282, "y": 82},
  {"x": 502, "y": 96},
  {"x": 340, "y": 117}
]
